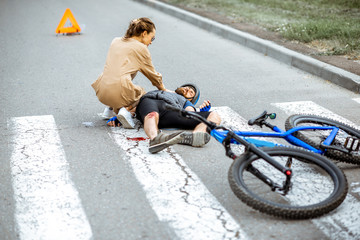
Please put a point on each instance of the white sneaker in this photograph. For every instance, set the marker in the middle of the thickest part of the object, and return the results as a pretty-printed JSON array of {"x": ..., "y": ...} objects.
[
  {"x": 124, "y": 116},
  {"x": 108, "y": 113}
]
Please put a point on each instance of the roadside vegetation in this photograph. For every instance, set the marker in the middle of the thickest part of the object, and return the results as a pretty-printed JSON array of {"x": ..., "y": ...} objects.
[{"x": 331, "y": 26}]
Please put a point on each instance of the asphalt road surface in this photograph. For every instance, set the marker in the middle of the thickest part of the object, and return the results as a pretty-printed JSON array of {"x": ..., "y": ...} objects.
[{"x": 66, "y": 175}]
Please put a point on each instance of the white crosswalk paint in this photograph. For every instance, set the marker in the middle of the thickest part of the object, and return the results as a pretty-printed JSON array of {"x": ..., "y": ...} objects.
[
  {"x": 175, "y": 193},
  {"x": 309, "y": 107},
  {"x": 356, "y": 100},
  {"x": 355, "y": 188},
  {"x": 344, "y": 222},
  {"x": 47, "y": 205}
]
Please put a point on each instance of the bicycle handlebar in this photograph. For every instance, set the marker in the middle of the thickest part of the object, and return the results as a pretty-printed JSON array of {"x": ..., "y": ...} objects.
[{"x": 261, "y": 119}]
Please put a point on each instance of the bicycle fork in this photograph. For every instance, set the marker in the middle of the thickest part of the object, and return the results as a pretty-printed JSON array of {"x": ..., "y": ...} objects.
[{"x": 286, "y": 170}]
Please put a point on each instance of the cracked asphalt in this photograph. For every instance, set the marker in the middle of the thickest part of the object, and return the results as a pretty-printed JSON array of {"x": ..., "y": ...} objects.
[{"x": 120, "y": 191}]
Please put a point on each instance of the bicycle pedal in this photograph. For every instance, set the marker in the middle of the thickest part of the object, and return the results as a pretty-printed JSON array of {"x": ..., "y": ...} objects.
[{"x": 352, "y": 144}]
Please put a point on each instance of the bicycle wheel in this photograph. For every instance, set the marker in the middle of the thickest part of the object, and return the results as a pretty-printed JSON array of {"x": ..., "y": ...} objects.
[
  {"x": 318, "y": 186},
  {"x": 315, "y": 137}
]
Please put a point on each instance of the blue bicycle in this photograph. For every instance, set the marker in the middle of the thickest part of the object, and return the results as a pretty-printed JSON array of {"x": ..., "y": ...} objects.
[
  {"x": 280, "y": 180},
  {"x": 331, "y": 138},
  {"x": 325, "y": 136}
]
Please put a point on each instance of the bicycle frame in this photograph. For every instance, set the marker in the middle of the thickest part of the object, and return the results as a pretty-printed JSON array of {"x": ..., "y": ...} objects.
[
  {"x": 230, "y": 136},
  {"x": 244, "y": 137},
  {"x": 278, "y": 133},
  {"x": 252, "y": 146}
]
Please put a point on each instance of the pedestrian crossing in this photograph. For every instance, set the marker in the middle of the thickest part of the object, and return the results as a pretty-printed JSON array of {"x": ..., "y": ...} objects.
[
  {"x": 357, "y": 100},
  {"x": 176, "y": 194},
  {"x": 309, "y": 107},
  {"x": 48, "y": 205},
  {"x": 343, "y": 222}
]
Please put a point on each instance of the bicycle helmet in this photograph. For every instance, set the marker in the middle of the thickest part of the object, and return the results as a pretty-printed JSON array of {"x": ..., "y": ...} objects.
[{"x": 196, "y": 90}]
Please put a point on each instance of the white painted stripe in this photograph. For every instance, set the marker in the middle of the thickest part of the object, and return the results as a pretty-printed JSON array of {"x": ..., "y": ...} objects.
[
  {"x": 343, "y": 223},
  {"x": 356, "y": 100},
  {"x": 309, "y": 107},
  {"x": 47, "y": 203},
  {"x": 176, "y": 194},
  {"x": 355, "y": 188},
  {"x": 232, "y": 120}
]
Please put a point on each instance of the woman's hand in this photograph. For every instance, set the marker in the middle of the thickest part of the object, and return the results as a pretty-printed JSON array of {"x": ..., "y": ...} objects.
[{"x": 167, "y": 90}]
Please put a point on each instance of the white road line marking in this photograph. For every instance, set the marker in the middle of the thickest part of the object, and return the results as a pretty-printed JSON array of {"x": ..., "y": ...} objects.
[
  {"x": 356, "y": 100},
  {"x": 355, "y": 188},
  {"x": 175, "y": 193},
  {"x": 309, "y": 107},
  {"x": 343, "y": 223},
  {"x": 47, "y": 203},
  {"x": 232, "y": 119}
]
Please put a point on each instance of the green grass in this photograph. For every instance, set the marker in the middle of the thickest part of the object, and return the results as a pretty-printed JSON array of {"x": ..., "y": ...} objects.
[{"x": 333, "y": 23}]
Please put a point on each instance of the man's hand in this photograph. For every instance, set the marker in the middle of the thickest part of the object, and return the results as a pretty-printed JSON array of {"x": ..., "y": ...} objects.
[
  {"x": 113, "y": 122},
  {"x": 205, "y": 107}
]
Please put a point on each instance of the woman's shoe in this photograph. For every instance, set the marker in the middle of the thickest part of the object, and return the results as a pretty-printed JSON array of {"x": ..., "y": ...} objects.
[
  {"x": 125, "y": 118},
  {"x": 108, "y": 113}
]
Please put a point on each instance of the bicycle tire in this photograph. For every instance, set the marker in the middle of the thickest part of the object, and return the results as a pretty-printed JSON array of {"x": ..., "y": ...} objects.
[
  {"x": 311, "y": 175},
  {"x": 315, "y": 137}
]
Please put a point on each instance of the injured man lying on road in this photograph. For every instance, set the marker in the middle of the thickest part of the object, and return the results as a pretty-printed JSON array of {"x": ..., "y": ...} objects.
[{"x": 152, "y": 112}]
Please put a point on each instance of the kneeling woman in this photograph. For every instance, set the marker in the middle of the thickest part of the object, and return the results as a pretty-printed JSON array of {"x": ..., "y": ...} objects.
[{"x": 126, "y": 56}]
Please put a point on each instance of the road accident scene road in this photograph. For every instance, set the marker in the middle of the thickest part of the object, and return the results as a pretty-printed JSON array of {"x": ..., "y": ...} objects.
[{"x": 141, "y": 120}]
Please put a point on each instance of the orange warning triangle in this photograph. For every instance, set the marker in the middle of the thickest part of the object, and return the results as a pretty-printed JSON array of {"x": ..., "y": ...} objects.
[{"x": 73, "y": 29}]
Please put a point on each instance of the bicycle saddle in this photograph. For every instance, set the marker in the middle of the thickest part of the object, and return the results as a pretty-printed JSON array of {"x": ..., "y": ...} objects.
[{"x": 257, "y": 120}]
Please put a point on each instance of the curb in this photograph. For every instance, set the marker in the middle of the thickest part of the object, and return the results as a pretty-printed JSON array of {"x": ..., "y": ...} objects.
[{"x": 326, "y": 71}]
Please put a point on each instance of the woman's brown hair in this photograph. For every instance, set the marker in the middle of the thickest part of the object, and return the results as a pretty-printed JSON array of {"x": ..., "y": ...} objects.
[{"x": 138, "y": 26}]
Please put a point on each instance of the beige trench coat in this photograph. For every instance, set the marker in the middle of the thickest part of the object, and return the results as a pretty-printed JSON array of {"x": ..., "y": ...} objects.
[{"x": 125, "y": 58}]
